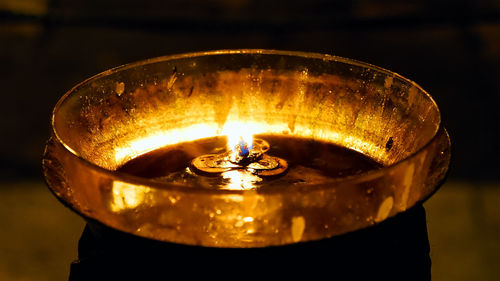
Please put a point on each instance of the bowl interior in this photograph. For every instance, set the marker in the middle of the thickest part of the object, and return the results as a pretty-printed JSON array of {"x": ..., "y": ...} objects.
[{"x": 126, "y": 112}]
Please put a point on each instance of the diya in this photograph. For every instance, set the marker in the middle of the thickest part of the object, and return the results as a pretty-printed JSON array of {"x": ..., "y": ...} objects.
[{"x": 251, "y": 156}]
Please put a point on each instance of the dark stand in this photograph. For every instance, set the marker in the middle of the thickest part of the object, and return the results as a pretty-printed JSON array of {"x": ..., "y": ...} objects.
[{"x": 396, "y": 249}]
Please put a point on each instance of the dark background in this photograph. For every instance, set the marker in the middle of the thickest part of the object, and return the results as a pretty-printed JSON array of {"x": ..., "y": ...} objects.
[{"x": 450, "y": 48}]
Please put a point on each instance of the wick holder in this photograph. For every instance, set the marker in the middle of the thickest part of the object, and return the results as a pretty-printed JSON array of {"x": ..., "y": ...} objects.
[{"x": 252, "y": 159}]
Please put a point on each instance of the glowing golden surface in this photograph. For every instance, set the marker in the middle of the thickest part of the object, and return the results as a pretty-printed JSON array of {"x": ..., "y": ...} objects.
[{"x": 122, "y": 113}]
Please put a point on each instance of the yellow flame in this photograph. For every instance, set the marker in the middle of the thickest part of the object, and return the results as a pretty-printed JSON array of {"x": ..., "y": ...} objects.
[{"x": 235, "y": 130}]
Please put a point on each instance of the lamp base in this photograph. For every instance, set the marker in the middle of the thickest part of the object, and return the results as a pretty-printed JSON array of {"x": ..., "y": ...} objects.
[{"x": 397, "y": 248}]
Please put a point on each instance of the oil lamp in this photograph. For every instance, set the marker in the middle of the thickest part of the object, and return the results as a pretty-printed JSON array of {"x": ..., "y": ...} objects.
[{"x": 141, "y": 150}]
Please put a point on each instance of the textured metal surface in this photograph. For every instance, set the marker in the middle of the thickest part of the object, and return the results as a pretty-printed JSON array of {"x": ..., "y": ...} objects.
[{"x": 117, "y": 115}]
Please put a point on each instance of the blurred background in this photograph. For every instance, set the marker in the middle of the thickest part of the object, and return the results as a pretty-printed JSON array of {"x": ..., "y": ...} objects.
[{"x": 450, "y": 48}]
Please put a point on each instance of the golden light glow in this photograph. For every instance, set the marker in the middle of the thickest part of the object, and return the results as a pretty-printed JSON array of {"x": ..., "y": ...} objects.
[
  {"x": 248, "y": 219},
  {"x": 155, "y": 141},
  {"x": 237, "y": 130},
  {"x": 240, "y": 180},
  {"x": 127, "y": 196}
]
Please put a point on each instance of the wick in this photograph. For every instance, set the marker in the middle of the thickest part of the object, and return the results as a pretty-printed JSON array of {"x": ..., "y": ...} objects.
[{"x": 242, "y": 148}]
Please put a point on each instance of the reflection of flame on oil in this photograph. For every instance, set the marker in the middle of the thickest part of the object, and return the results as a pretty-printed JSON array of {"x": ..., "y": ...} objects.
[{"x": 240, "y": 179}]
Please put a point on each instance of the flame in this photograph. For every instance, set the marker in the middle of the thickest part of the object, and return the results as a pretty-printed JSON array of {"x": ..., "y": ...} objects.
[{"x": 239, "y": 135}]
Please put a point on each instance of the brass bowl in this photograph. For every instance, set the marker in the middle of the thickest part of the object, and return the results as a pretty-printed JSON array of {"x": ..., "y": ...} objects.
[{"x": 121, "y": 113}]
